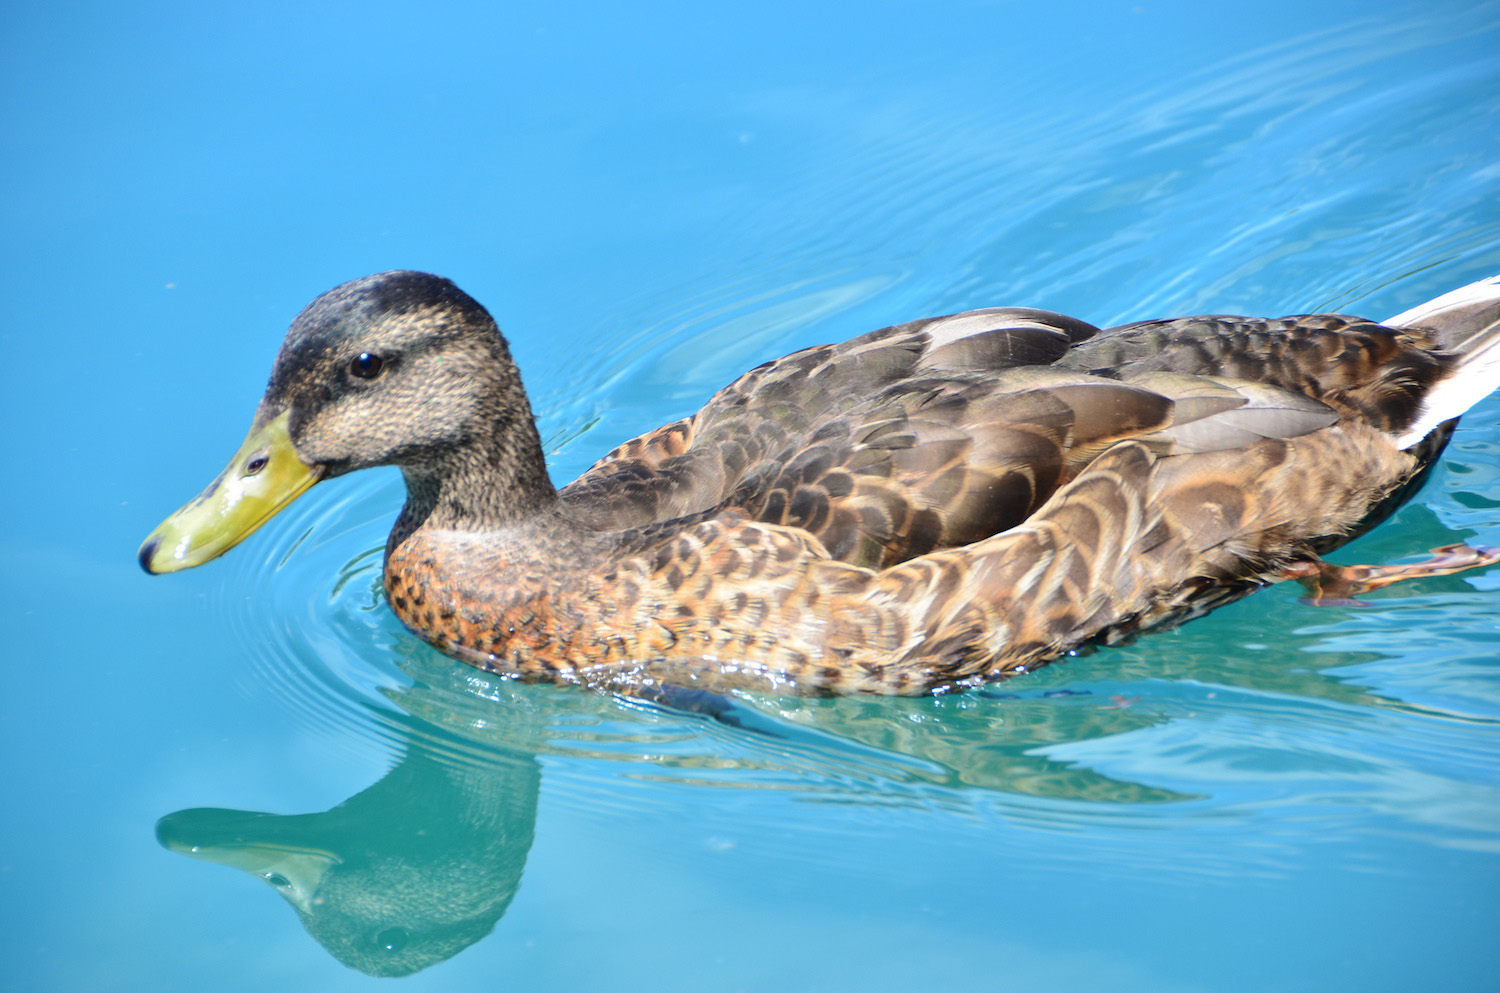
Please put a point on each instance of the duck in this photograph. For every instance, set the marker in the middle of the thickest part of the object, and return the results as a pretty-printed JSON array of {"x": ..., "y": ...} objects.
[{"x": 921, "y": 509}]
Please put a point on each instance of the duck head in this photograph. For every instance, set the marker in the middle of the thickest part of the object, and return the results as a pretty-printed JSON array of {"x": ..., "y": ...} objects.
[{"x": 400, "y": 368}]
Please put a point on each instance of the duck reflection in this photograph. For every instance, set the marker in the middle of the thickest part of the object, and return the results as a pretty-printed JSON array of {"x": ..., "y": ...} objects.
[
  {"x": 414, "y": 869},
  {"x": 402, "y": 875}
]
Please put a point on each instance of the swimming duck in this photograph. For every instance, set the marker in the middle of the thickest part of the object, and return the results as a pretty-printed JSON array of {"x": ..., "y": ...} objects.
[{"x": 921, "y": 508}]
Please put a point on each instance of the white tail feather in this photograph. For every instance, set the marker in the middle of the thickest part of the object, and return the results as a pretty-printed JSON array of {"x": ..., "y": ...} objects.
[{"x": 1471, "y": 317}]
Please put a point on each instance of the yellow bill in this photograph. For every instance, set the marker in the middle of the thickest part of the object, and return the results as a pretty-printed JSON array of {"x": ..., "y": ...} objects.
[{"x": 264, "y": 476}]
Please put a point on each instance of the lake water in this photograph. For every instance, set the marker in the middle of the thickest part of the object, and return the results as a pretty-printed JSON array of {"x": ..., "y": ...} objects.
[{"x": 652, "y": 198}]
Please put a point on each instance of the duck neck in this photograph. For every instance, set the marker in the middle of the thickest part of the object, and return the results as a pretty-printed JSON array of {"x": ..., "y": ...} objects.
[{"x": 495, "y": 481}]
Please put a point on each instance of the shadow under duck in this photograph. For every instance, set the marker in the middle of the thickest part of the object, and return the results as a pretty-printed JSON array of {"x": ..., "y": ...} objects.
[{"x": 924, "y": 507}]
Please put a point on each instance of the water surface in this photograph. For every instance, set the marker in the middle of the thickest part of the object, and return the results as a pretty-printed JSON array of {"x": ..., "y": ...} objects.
[{"x": 1274, "y": 797}]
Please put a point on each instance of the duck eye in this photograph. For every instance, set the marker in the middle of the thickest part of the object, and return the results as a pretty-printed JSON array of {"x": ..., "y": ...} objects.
[
  {"x": 392, "y": 939},
  {"x": 367, "y": 366}
]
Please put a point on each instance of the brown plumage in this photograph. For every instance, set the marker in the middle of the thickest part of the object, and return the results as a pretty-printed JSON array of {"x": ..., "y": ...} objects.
[{"x": 924, "y": 507}]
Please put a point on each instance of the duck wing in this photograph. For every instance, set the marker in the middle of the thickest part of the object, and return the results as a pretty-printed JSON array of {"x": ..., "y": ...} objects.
[
  {"x": 1366, "y": 371},
  {"x": 924, "y": 436}
]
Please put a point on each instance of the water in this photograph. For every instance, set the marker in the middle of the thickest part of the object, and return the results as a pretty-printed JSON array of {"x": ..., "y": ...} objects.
[{"x": 651, "y": 199}]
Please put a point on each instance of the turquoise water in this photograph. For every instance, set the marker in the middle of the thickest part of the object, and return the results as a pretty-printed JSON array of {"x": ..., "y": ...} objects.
[{"x": 651, "y": 199}]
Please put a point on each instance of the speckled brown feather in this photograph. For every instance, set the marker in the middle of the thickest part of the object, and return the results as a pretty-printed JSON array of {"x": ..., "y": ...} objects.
[{"x": 924, "y": 507}]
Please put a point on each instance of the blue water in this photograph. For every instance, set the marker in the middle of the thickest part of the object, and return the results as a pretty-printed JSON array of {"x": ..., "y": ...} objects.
[{"x": 652, "y": 198}]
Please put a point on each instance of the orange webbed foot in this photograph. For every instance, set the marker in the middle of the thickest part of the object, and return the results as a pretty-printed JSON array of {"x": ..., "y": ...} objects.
[{"x": 1340, "y": 585}]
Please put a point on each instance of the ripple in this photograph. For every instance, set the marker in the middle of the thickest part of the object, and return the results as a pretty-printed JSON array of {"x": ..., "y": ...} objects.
[{"x": 301, "y": 624}]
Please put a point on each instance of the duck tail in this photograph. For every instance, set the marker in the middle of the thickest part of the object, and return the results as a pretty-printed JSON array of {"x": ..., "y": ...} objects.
[{"x": 1466, "y": 324}]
